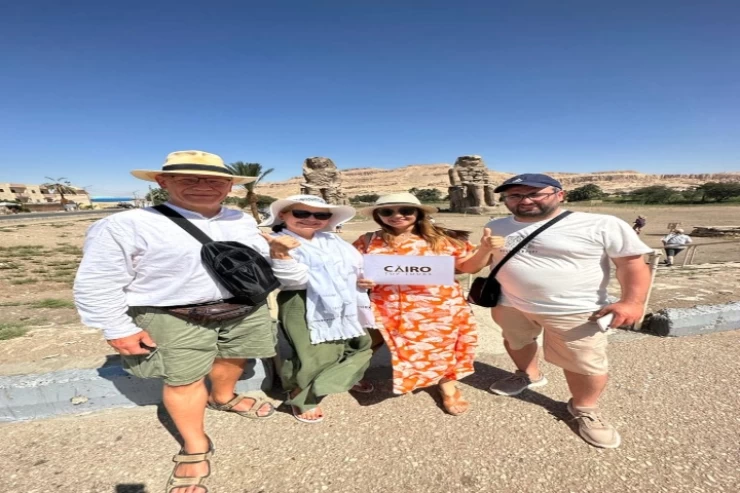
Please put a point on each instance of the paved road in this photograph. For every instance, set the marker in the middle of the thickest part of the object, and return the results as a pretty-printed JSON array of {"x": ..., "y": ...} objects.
[
  {"x": 675, "y": 401},
  {"x": 32, "y": 216}
]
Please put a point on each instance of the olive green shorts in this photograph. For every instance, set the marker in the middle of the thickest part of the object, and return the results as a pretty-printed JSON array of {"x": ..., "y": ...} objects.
[{"x": 186, "y": 350}]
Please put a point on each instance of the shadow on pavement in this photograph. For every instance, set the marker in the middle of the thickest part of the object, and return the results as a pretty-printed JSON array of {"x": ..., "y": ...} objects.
[
  {"x": 148, "y": 391},
  {"x": 139, "y": 391},
  {"x": 486, "y": 374},
  {"x": 164, "y": 418},
  {"x": 130, "y": 488}
]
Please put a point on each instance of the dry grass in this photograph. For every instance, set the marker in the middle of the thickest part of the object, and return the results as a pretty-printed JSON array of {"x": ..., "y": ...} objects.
[
  {"x": 12, "y": 330},
  {"x": 69, "y": 249},
  {"x": 25, "y": 252},
  {"x": 27, "y": 280},
  {"x": 52, "y": 303},
  {"x": 9, "y": 266}
]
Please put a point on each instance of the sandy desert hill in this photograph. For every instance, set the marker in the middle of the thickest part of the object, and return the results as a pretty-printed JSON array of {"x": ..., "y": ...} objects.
[{"x": 375, "y": 180}]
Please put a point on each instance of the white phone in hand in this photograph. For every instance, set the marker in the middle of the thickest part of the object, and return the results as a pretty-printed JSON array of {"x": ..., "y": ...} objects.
[{"x": 604, "y": 321}]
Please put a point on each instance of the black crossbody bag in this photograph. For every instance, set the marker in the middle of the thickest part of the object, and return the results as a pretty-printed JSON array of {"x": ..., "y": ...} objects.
[
  {"x": 485, "y": 291},
  {"x": 240, "y": 269}
]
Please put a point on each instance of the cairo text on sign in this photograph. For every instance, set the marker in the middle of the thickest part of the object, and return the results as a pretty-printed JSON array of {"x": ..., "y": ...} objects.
[{"x": 410, "y": 269}]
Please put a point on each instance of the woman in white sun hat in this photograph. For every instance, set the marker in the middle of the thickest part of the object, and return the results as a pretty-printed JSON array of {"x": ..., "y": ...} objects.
[
  {"x": 323, "y": 314},
  {"x": 429, "y": 330}
]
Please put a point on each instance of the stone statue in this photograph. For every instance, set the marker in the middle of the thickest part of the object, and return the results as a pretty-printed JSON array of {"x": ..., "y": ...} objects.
[
  {"x": 323, "y": 179},
  {"x": 470, "y": 190}
]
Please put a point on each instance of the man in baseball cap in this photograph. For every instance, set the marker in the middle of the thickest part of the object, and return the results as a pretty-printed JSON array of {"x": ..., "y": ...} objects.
[
  {"x": 530, "y": 180},
  {"x": 556, "y": 284}
]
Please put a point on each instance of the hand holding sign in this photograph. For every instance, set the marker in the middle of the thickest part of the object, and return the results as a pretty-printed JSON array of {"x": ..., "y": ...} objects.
[
  {"x": 281, "y": 245},
  {"x": 488, "y": 242},
  {"x": 363, "y": 283}
]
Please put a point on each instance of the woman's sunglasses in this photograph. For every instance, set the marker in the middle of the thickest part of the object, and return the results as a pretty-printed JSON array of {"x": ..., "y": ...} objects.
[
  {"x": 301, "y": 214},
  {"x": 404, "y": 211}
]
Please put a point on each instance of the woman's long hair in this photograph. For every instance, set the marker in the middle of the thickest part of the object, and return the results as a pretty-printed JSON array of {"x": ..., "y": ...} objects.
[{"x": 436, "y": 236}]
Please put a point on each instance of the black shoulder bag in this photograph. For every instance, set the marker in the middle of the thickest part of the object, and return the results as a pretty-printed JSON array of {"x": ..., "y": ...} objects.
[
  {"x": 240, "y": 269},
  {"x": 485, "y": 291}
]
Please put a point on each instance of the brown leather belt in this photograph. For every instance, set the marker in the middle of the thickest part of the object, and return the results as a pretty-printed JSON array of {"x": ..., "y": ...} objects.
[{"x": 211, "y": 312}]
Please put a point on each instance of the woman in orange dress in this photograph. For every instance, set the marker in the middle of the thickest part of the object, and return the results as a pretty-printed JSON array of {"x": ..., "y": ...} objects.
[{"x": 429, "y": 330}]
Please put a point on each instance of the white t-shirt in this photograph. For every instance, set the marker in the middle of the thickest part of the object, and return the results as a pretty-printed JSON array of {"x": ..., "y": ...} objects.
[{"x": 565, "y": 269}]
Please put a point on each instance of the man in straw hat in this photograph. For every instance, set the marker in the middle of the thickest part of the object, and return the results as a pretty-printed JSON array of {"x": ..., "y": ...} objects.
[
  {"x": 557, "y": 284},
  {"x": 138, "y": 265}
]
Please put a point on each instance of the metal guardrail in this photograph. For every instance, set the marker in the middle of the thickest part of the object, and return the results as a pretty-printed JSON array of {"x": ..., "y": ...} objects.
[
  {"x": 691, "y": 249},
  {"x": 688, "y": 258}
]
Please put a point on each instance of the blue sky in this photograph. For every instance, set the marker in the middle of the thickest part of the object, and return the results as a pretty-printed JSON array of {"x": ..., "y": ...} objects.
[{"x": 90, "y": 90}]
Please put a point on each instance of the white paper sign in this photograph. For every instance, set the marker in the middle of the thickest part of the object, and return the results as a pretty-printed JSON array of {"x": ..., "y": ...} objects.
[{"x": 410, "y": 270}]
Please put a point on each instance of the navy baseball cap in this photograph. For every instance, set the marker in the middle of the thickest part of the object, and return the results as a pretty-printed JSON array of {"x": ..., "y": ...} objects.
[{"x": 529, "y": 180}]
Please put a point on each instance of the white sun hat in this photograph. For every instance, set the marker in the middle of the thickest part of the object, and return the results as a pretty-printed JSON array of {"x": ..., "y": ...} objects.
[
  {"x": 193, "y": 163},
  {"x": 396, "y": 199},
  {"x": 341, "y": 213}
]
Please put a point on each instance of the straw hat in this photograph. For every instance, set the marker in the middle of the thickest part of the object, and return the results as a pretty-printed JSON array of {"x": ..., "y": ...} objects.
[
  {"x": 341, "y": 213},
  {"x": 193, "y": 163},
  {"x": 395, "y": 199}
]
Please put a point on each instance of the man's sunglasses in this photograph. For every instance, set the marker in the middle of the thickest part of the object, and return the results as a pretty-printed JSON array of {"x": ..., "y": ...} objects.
[
  {"x": 301, "y": 214},
  {"x": 404, "y": 211}
]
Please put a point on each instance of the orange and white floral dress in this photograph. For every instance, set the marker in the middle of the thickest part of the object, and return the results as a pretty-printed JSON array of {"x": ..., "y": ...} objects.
[{"x": 430, "y": 330}]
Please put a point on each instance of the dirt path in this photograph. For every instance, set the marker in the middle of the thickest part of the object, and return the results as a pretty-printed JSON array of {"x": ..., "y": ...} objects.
[{"x": 677, "y": 415}]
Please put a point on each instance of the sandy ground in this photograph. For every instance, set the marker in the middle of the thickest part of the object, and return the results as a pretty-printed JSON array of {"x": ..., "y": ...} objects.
[{"x": 676, "y": 411}]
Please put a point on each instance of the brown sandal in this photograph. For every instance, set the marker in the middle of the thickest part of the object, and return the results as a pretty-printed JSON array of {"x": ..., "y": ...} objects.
[
  {"x": 455, "y": 400},
  {"x": 185, "y": 481},
  {"x": 250, "y": 413}
]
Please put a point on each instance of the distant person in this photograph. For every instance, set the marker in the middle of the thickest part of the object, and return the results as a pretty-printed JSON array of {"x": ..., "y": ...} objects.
[
  {"x": 429, "y": 329},
  {"x": 143, "y": 283},
  {"x": 338, "y": 228},
  {"x": 674, "y": 243},
  {"x": 324, "y": 313},
  {"x": 639, "y": 223},
  {"x": 557, "y": 284}
]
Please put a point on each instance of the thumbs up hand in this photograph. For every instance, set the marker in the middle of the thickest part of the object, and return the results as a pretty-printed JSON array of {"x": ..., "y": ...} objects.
[
  {"x": 280, "y": 245},
  {"x": 488, "y": 242}
]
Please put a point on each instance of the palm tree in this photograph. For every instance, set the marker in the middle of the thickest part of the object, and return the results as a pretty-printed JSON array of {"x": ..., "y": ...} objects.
[
  {"x": 60, "y": 186},
  {"x": 240, "y": 168},
  {"x": 157, "y": 196}
]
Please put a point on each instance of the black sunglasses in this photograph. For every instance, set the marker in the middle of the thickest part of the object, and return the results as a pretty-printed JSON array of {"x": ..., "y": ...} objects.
[
  {"x": 404, "y": 211},
  {"x": 301, "y": 214}
]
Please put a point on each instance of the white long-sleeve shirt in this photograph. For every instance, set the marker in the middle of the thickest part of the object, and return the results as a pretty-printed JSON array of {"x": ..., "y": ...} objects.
[{"x": 142, "y": 258}]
